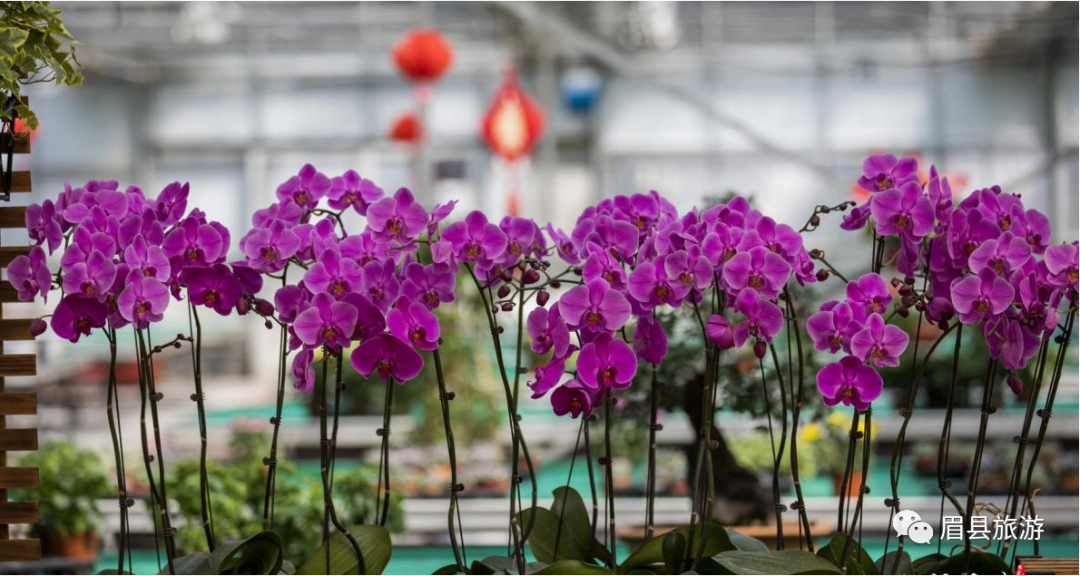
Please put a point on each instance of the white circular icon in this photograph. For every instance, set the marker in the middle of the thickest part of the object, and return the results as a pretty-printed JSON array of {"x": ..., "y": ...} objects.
[
  {"x": 903, "y": 521},
  {"x": 920, "y": 532}
]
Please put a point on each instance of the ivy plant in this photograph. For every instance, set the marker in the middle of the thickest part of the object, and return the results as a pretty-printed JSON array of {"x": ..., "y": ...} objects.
[{"x": 34, "y": 47}]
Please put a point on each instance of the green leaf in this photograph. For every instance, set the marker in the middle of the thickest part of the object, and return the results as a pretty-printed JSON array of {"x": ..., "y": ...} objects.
[
  {"x": 262, "y": 553},
  {"x": 746, "y": 543},
  {"x": 448, "y": 569},
  {"x": 497, "y": 565},
  {"x": 549, "y": 536},
  {"x": 674, "y": 549},
  {"x": 197, "y": 563},
  {"x": 569, "y": 506},
  {"x": 980, "y": 563},
  {"x": 652, "y": 552},
  {"x": 895, "y": 562},
  {"x": 925, "y": 564},
  {"x": 374, "y": 544},
  {"x": 574, "y": 567},
  {"x": 858, "y": 561},
  {"x": 780, "y": 562}
]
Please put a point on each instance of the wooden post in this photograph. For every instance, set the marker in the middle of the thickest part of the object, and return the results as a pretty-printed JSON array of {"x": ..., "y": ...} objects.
[{"x": 15, "y": 403}]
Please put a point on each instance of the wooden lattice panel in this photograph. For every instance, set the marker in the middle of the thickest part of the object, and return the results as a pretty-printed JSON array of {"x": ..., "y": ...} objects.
[{"x": 15, "y": 403}]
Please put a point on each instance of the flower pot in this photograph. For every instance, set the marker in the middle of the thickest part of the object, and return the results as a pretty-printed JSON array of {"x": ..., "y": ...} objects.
[
  {"x": 83, "y": 546},
  {"x": 853, "y": 485}
]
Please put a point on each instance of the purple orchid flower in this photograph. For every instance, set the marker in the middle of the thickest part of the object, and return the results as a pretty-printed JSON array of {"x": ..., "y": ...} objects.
[
  {"x": 306, "y": 188},
  {"x": 879, "y": 343},
  {"x": 170, "y": 205},
  {"x": 379, "y": 282},
  {"x": 334, "y": 275},
  {"x": 143, "y": 301},
  {"x": 326, "y": 322},
  {"x": 398, "y": 220},
  {"x": 215, "y": 287},
  {"x": 43, "y": 225},
  {"x": 602, "y": 264},
  {"x": 194, "y": 243},
  {"x": 851, "y": 382},
  {"x": 351, "y": 191},
  {"x": 1010, "y": 342},
  {"x": 563, "y": 245},
  {"x": 148, "y": 259},
  {"x": 475, "y": 239},
  {"x": 618, "y": 237},
  {"x": 29, "y": 274},
  {"x": 92, "y": 278},
  {"x": 76, "y": 316},
  {"x": 144, "y": 225},
  {"x": 832, "y": 327},
  {"x": 719, "y": 331},
  {"x": 439, "y": 213},
  {"x": 649, "y": 284},
  {"x": 430, "y": 285},
  {"x": 1036, "y": 230},
  {"x": 763, "y": 318},
  {"x": 388, "y": 356},
  {"x": 268, "y": 249},
  {"x": 1003, "y": 254},
  {"x": 606, "y": 362},
  {"x": 572, "y": 398},
  {"x": 1062, "y": 262},
  {"x": 290, "y": 300},
  {"x": 903, "y": 211},
  {"x": 413, "y": 322},
  {"x": 521, "y": 239},
  {"x": 303, "y": 372},
  {"x": 883, "y": 172},
  {"x": 548, "y": 331},
  {"x": 868, "y": 295},
  {"x": 759, "y": 269},
  {"x": 363, "y": 248},
  {"x": 650, "y": 340},
  {"x": 548, "y": 375},
  {"x": 858, "y": 217},
  {"x": 641, "y": 210},
  {"x": 690, "y": 268},
  {"x": 978, "y": 297},
  {"x": 595, "y": 307},
  {"x": 370, "y": 320},
  {"x": 285, "y": 211}
]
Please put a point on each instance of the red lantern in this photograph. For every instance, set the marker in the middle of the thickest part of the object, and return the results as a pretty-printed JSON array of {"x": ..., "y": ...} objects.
[
  {"x": 423, "y": 55},
  {"x": 407, "y": 129},
  {"x": 514, "y": 123}
]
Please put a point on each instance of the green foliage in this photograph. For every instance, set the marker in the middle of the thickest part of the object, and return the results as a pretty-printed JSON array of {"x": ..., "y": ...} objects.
[
  {"x": 777, "y": 562},
  {"x": 895, "y": 563},
  {"x": 34, "y": 47},
  {"x": 564, "y": 532},
  {"x": 237, "y": 489},
  {"x": 652, "y": 552},
  {"x": 260, "y": 554},
  {"x": 858, "y": 561},
  {"x": 979, "y": 563},
  {"x": 374, "y": 545},
  {"x": 72, "y": 482}
]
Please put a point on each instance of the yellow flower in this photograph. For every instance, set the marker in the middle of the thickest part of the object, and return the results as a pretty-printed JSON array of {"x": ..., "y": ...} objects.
[
  {"x": 810, "y": 432},
  {"x": 838, "y": 421}
]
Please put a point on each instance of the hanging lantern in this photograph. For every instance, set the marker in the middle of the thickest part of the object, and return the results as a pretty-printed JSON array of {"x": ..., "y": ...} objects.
[
  {"x": 407, "y": 129},
  {"x": 514, "y": 123},
  {"x": 423, "y": 55}
]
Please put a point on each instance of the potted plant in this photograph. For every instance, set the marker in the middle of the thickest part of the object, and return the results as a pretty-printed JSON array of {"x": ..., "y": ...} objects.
[{"x": 72, "y": 482}]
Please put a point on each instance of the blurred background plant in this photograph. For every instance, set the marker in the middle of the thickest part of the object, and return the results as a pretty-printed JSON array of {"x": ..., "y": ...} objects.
[
  {"x": 237, "y": 488},
  {"x": 72, "y": 482}
]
